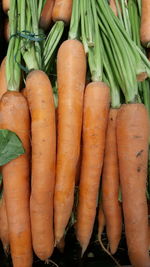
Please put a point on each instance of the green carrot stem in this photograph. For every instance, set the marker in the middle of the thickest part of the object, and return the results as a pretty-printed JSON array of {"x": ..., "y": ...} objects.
[
  {"x": 41, "y": 4},
  {"x": 75, "y": 19},
  {"x": 114, "y": 87},
  {"x": 51, "y": 43},
  {"x": 119, "y": 11},
  {"x": 109, "y": 16},
  {"x": 83, "y": 31},
  {"x": 142, "y": 62},
  {"x": 12, "y": 70},
  {"x": 34, "y": 14},
  {"x": 139, "y": 6},
  {"x": 27, "y": 47},
  {"x": 28, "y": 24},
  {"x": 124, "y": 68},
  {"x": 125, "y": 17},
  {"x": 90, "y": 25},
  {"x": 135, "y": 21},
  {"x": 97, "y": 69}
]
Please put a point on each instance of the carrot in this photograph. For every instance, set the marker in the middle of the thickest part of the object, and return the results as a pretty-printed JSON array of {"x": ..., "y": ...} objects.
[
  {"x": 46, "y": 15},
  {"x": 132, "y": 142},
  {"x": 43, "y": 128},
  {"x": 4, "y": 232},
  {"x": 71, "y": 72},
  {"x": 62, "y": 10},
  {"x": 96, "y": 108},
  {"x": 6, "y": 29},
  {"x": 145, "y": 23},
  {"x": 5, "y": 5},
  {"x": 101, "y": 221},
  {"x": 110, "y": 185},
  {"x": 3, "y": 82},
  {"x": 14, "y": 114}
]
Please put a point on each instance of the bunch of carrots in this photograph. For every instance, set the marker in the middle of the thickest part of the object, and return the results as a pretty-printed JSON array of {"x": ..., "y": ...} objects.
[{"x": 75, "y": 102}]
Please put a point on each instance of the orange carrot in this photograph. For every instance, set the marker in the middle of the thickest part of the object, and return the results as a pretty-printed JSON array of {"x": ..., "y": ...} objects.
[
  {"x": 14, "y": 114},
  {"x": 110, "y": 185},
  {"x": 96, "y": 108},
  {"x": 132, "y": 142},
  {"x": 62, "y": 10},
  {"x": 43, "y": 129},
  {"x": 5, "y": 5},
  {"x": 46, "y": 15},
  {"x": 145, "y": 22},
  {"x": 71, "y": 72},
  {"x": 3, "y": 82},
  {"x": 4, "y": 232}
]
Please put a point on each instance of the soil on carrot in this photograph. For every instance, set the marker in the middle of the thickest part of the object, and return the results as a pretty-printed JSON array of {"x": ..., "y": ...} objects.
[{"x": 94, "y": 256}]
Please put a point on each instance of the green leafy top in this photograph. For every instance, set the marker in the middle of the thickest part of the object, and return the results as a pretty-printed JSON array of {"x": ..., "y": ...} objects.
[{"x": 10, "y": 146}]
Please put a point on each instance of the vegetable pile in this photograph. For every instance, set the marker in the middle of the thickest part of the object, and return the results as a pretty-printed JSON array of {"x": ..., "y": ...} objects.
[{"x": 75, "y": 127}]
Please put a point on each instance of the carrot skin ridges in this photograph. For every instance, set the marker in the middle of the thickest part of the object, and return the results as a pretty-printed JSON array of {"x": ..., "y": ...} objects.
[
  {"x": 46, "y": 15},
  {"x": 62, "y": 10},
  {"x": 43, "y": 129},
  {"x": 14, "y": 114},
  {"x": 145, "y": 22},
  {"x": 4, "y": 232},
  {"x": 5, "y": 5},
  {"x": 95, "y": 118},
  {"x": 132, "y": 142},
  {"x": 3, "y": 81},
  {"x": 71, "y": 72},
  {"x": 110, "y": 185}
]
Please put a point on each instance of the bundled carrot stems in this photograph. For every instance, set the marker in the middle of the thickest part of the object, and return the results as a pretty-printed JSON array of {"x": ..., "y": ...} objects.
[{"x": 74, "y": 125}]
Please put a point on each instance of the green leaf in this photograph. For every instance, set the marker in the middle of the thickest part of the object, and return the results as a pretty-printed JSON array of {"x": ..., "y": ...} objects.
[{"x": 10, "y": 146}]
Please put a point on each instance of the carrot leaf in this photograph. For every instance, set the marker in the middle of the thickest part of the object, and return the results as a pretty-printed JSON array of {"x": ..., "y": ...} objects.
[{"x": 10, "y": 146}]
